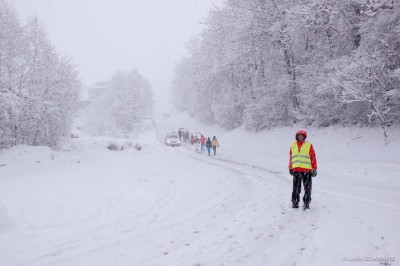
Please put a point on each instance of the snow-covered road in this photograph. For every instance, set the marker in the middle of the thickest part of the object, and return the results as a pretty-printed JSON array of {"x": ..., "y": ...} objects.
[
  {"x": 173, "y": 206},
  {"x": 167, "y": 206}
]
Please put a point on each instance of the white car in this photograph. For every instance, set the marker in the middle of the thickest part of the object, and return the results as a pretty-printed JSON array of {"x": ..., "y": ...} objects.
[{"x": 172, "y": 139}]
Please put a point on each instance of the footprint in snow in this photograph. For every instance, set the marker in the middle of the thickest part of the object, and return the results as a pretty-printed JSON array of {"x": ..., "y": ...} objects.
[
  {"x": 301, "y": 251},
  {"x": 314, "y": 227},
  {"x": 259, "y": 236}
]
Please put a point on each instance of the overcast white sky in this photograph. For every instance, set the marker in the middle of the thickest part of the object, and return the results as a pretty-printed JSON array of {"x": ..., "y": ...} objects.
[{"x": 105, "y": 36}]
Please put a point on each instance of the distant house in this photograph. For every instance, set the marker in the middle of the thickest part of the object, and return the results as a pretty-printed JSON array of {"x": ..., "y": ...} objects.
[{"x": 96, "y": 90}]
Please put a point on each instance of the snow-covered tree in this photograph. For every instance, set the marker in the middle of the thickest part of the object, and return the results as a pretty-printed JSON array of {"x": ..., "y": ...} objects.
[
  {"x": 120, "y": 108},
  {"x": 366, "y": 79},
  {"x": 38, "y": 89}
]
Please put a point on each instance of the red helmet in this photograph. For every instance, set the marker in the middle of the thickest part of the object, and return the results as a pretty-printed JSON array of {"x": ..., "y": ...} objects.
[{"x": 302, "y": 132}]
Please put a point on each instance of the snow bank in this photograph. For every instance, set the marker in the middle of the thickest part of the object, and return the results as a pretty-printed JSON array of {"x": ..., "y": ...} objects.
[{"x": 22, "y": 154}]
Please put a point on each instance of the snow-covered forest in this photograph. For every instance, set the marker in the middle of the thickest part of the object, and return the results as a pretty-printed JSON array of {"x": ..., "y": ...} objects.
[
  {"x": 39, "y": 89},
  {"x": 277, "y": 63}
]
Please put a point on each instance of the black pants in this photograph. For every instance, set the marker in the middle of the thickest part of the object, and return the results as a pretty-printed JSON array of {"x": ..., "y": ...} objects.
[{"x": 307, "y": 183}]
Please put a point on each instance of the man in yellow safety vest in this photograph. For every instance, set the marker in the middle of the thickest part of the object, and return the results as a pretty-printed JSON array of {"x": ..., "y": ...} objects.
[{"x": 302, "y": 166}]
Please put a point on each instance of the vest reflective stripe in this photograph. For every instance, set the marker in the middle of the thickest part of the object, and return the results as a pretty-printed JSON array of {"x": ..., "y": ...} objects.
[{"x": 301, "y": 159}]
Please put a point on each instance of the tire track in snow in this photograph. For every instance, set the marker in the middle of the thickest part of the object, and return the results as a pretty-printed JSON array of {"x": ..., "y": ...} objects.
[
  {"x": 90, "y": 236},
  {"x": 212, "y": 210},
  {"x": 234, "y": 217}
]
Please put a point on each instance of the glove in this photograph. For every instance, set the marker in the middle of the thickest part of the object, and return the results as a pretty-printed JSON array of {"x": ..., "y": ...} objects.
[
  {"x": 291, "y": 171},
  {"x": 313, "y": 173}
]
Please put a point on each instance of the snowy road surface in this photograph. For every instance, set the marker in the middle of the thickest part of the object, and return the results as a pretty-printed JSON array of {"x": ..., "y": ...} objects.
[{"x": 172, "y": 206}]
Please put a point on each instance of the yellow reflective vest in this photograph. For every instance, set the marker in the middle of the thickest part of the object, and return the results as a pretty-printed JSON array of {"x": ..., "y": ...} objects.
[{"x": 301, "y": 158}]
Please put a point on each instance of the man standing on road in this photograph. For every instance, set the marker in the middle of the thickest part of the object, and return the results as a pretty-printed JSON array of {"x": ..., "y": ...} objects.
[
  {"x": 202, "y": 143},
  {"x": 180, "y": 134},
  {"x": 214, "y": 144},
  {"x": 302, "y": 166},
  {"x": 208, "y": 145}
]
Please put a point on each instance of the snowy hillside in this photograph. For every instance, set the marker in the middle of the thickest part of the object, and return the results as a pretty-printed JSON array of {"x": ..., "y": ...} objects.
[{"x": 87, "y": 205}]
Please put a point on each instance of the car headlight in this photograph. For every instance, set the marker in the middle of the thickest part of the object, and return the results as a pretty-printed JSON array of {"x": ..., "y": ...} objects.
[
  {"x": 167, "y": 141},
  {"x": 179, "y": 141}
]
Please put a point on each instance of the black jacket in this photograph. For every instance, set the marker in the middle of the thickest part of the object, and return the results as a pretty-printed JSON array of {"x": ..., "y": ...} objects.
[{"x": 208, "y": 143}]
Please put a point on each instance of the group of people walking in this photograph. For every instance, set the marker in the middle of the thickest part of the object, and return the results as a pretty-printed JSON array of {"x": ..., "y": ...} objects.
[
  {"x": 199, "y": 141},
  {"x": 202, "y": 143}
]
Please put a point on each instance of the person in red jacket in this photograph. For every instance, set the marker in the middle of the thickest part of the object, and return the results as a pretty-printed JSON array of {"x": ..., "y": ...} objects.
[
  {"x": 203, "y": 143},
  {"x": 302, "y": 166}
]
